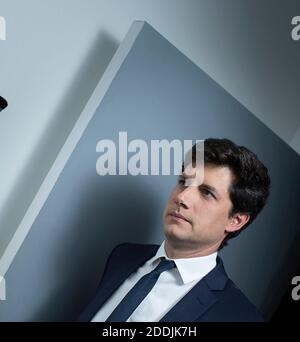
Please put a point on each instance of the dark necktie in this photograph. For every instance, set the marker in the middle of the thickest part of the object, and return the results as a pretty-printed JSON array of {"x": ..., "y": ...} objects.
[{"x": 140, "y": 290}]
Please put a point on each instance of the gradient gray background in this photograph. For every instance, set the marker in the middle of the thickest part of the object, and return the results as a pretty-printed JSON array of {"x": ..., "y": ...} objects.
[
  {"x": 157, "y": 94},
  {"x": 57, "y": 50}
]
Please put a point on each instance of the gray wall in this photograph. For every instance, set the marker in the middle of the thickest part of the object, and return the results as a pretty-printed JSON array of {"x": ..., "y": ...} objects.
[
  {"x": 157, "y": 94},
  {"x": 56, "y": 52}
]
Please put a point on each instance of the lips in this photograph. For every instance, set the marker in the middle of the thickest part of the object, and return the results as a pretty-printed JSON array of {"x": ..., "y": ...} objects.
[{"x": 175, "y": 214}]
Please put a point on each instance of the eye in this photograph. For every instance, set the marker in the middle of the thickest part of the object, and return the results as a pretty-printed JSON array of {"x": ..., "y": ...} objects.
[
  {"x": 206, "y": 193},
  {"x": 181, "y": 181}
]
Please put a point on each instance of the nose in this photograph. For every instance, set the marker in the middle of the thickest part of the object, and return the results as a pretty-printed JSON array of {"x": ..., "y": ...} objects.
[{"x": 183, "y": 197}]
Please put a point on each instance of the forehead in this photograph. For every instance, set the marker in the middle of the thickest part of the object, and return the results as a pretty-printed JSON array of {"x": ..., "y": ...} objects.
[{"x": 218, "y": 177}]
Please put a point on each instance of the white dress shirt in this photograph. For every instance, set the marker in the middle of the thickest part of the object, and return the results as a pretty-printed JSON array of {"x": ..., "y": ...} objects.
[{"x": 170, "y": 287}]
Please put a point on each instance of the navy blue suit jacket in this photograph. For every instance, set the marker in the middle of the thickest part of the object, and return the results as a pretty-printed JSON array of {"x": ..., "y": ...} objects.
[{"x": 215, "y": 298}]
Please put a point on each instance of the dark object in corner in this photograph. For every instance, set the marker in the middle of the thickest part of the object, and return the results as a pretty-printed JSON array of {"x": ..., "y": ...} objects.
[{"x": 3, "y": 103}]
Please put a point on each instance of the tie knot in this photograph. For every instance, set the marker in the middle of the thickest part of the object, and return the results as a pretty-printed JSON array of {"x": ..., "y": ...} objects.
[{"x": 164, "y": 265}]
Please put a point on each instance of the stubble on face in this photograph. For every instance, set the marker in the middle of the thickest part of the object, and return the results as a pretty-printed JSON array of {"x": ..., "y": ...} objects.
[{"x": 202, "y": 232}]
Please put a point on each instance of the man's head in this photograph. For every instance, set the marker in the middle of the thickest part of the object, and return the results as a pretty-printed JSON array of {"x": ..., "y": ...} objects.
[{"x": 234, "y": 190}]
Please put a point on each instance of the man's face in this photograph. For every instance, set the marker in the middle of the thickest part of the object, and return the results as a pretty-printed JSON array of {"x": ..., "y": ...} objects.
[{"x": 205, "y": 208}]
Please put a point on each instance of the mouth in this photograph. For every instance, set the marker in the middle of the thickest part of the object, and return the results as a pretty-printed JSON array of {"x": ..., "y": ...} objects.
[{"x": 178, "y": 217}]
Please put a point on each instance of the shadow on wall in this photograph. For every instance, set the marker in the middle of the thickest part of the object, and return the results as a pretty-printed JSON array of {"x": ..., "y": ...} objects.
[
  {"x": 107, "y": 215},
  {"x": 53, "y": 138}
]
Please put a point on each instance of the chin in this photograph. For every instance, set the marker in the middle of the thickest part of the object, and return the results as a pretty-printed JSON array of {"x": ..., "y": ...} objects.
[{"x": 174, "y": 232}]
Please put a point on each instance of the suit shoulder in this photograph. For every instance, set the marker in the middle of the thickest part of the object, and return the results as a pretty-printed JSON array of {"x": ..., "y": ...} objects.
[
  {"x": 133, "y": 248},
  {"x": 239, "y": 306}
]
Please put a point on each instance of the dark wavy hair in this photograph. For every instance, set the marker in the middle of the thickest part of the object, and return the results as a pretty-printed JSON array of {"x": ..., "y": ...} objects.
[{"x": 250, "y": 187}]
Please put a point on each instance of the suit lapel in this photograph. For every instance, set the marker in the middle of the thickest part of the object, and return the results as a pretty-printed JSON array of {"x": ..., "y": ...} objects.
[
  {"x": 121, "y": 267},
  {"x": 124, "y": 264},
  {"x": 111, "y": 286},
  {"x": 200, "y": 298},
  {"x": 191, "y": 306}
]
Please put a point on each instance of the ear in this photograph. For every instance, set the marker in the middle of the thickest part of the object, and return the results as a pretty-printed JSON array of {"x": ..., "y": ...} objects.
[{"x": 236, "y": 222}]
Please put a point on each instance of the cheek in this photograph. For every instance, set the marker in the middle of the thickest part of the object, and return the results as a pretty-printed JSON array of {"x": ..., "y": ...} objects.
[
  {"x": 169, "y": 203},
  {"x": 210, "y": 216}
]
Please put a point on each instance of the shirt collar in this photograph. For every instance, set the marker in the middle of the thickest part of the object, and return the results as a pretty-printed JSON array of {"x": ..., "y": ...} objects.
[{"x": 190, "y": 269}]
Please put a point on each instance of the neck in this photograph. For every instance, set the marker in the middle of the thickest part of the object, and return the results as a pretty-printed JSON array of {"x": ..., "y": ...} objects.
[{"x": 176, "y": 252}]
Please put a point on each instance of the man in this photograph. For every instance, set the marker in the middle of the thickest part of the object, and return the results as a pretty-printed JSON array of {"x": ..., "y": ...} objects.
[{"x": 184, "y": 280}]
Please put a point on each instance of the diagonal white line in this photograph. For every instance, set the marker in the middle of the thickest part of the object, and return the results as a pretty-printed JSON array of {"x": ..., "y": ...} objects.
[{"x": 67, "y": 149}]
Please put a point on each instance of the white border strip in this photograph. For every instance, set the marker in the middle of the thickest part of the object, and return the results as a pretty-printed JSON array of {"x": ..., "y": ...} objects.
[{"x": 67, "y": 149}]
